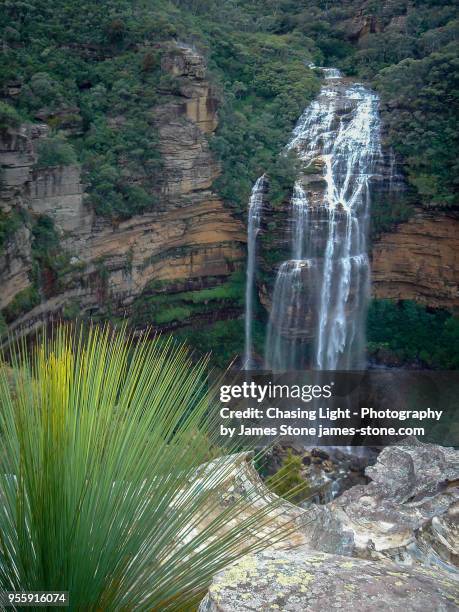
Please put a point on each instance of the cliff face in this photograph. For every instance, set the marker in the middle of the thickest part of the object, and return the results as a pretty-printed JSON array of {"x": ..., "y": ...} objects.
[
  {"x": 189, "y": 241},
  {"x": 419, "y": 260}
]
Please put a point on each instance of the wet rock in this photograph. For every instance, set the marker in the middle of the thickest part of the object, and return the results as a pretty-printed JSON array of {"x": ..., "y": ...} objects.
[
  {"x": 303, "y": 581},
  {"x": 339, "y": 455},
  {"x": 349, "y": 480},
  {"x": 354, "y": 466},
  {"x": 338, "y": 472},
  {"x": 272, "y": 462},
  {"x": 295, "y": 447}
]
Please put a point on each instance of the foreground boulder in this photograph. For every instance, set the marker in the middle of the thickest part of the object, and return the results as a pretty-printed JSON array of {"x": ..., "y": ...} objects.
[
  {"x": 302, "y": 581},
  {"x": 409, "y": 509},
  {"x": 400, "y": 532},
  {"x": 239, "y": 487},
  {"x": 407, "y": 513}
]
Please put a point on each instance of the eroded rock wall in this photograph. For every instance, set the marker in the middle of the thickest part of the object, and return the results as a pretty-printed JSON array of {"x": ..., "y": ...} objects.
[
  {"x": 419, "y": 260},
  {"x": 190, "y": 237}
]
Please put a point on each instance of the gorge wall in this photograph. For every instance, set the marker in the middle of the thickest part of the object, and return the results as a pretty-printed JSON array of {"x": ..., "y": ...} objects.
[
  {"x": 188, "y": 243},
  {"x": 419, "y": 260}
]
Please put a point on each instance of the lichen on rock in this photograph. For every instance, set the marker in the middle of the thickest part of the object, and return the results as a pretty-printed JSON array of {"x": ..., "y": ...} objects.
[
  {"x": 399, "y": 533},
  {"x": 304, "y": 581}
]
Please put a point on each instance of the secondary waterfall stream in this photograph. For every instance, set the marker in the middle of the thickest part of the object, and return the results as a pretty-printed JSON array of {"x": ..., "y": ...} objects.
[
  {"x": 319, "y": 301},
  {"x": 255, "y": 204}
]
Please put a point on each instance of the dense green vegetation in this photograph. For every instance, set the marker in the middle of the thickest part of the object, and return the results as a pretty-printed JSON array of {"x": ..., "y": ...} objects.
[
  {"x": 79, "y": 67},
  {"x": 207, "y": 319},
  {"x": 9, "y": 117},
  {"x": 22, "y": 302},
  {"x": 409, "y": 332},
  {"x": 54, "y": 151},
  {"x": 223, "y": 340},
  {"x": 9, "y": 223},
  {"x": 422, "y": 96},
  {"x": 267, "y": 85}
]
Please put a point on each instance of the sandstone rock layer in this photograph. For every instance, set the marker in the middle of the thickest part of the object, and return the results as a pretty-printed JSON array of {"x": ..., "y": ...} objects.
[{"x": 419, "y": 260}]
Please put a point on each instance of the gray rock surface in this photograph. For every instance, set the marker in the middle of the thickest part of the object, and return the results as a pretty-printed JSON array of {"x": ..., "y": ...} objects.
[
  {"x": 302, "y": 581},
  {"x": 414, "y": 470},
  {"x": 408, "y": 513},
  {"x": 410, "y": 485},
  {"x": 315, "y": 527}
]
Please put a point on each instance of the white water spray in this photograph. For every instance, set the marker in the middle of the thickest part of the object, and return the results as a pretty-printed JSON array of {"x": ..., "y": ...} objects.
[
  {"x": 254, "y": 218},
  {"x": 320, "y": 295}
]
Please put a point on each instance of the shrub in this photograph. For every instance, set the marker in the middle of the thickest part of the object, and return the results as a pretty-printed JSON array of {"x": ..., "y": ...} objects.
[
  {"x": 100, "y": 479},
  {"x": 9, "y": 223},
  {"x": 9, "y": 117},
  {"x": 414, "y": 332},
  {"x": 55, "y": 151},
  {"x": 288, "y": 482},
  {"x": 22, "y": 302},
  {"x": 51, "y": 261}
]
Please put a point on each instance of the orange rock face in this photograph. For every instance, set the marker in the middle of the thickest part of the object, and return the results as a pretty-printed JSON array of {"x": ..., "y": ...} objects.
[{"x": 419, "y": 260}]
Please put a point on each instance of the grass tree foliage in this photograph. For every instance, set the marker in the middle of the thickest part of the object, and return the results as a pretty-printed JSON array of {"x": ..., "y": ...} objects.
[
  {"x": 92, "y": 71},
  {"x": 102, "y": 494}
]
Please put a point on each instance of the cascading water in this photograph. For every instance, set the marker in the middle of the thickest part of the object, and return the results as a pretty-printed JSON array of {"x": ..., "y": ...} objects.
[
  {"x": 291, "y": 297},
  {"x": 254, "y": 216},
  {"x": 320, "y": 296}
]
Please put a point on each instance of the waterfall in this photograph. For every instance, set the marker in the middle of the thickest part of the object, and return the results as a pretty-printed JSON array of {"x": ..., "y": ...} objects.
[
  {"x": 287, "y": 322},
  {"x": 300, "y": 220},
  {"x": 332, "y": 73},
  {"x": 320, "y": 295},
  {"x": 254, "y": 217}
]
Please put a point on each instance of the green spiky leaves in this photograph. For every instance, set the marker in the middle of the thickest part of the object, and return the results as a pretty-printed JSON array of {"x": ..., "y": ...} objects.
[{"x": 113, "y": 485}]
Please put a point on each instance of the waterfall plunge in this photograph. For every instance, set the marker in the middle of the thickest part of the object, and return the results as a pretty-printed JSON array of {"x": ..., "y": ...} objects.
[
  {"x": 254, "y": 216},
  {"x": 320, "y": 296}
]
